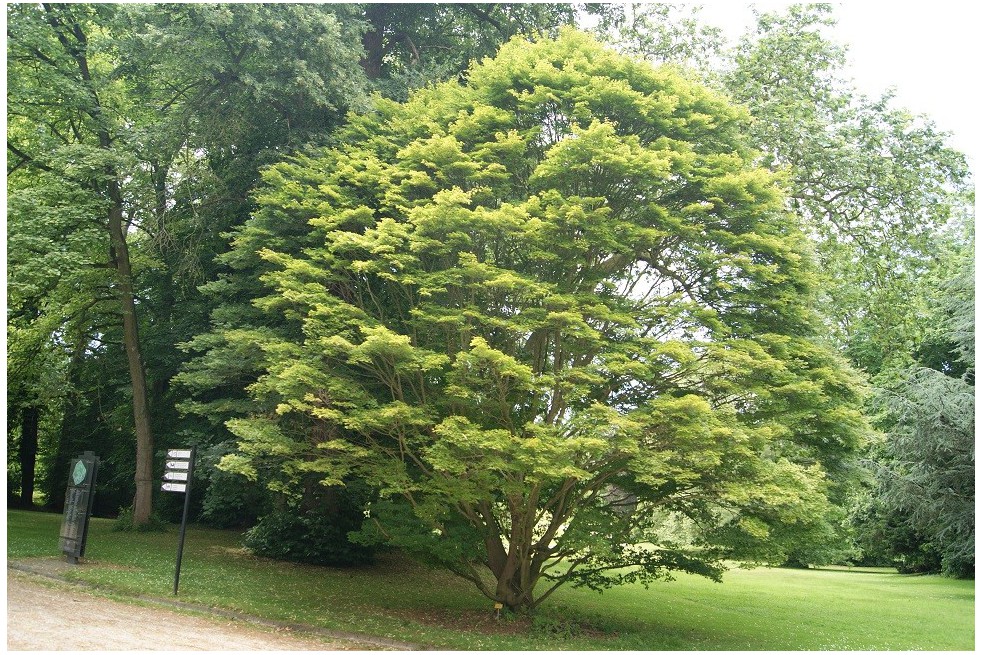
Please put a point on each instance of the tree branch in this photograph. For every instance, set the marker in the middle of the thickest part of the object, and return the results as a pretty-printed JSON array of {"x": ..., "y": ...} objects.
[
  {"x": 26, "y": 159},
  {"x": 486, "y": 17}
]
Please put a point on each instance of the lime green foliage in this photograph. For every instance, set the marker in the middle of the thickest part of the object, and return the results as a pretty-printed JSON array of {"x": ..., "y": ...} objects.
[
  {"x": 520, "y": 299},
  {"x": 759, "y": 609}
]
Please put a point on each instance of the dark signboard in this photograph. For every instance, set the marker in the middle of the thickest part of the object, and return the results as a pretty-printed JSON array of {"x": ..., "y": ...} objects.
[{"x": 82, "y": 473}]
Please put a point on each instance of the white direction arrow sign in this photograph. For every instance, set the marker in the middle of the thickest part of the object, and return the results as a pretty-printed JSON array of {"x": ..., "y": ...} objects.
[
  {"x": 179, "y": 454},
  {"x": 173, "y": 486},
  {"x": 183, "y": 466},
  {"x": 180, "y": 476}
]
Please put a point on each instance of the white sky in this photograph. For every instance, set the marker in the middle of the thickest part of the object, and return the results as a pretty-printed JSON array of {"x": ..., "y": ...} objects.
[{"x": 927, "y": 51}]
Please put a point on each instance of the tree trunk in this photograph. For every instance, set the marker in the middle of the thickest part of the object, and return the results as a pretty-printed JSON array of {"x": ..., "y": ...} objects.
[
  {"x": 73, "y": 39},
  {"x": 513, "y": 589},
  {"x": 28, "y": 454},
  {"x": 373, "y": 41},
  {"x": 515, "y": 593},
  {"x": 143, "y": 500}
]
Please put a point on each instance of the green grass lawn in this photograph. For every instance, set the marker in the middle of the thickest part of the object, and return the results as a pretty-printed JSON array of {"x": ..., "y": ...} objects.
[{"x": 758, "y": 609}]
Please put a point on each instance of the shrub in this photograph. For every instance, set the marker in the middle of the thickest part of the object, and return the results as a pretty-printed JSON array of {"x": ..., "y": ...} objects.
[
  {"x": 310, "y": 538},
  {"x": 124, "y": 522},
  {"x": 229, "y": 500}
]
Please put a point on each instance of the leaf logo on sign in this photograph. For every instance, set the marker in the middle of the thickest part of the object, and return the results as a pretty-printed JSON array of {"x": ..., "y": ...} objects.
[{"x": 79, "y": 473}]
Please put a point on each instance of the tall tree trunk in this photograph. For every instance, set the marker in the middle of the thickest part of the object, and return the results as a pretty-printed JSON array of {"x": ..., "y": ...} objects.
[
  {"x": 28, "y": 454},
  {"x": 74, "y": 40},
  {"x": 373, "y": 41},
  {"x": 143, "y": 500}
]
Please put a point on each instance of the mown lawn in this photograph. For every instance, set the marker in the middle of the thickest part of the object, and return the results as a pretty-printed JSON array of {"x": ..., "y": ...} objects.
[{"x": 758, "y": 609}]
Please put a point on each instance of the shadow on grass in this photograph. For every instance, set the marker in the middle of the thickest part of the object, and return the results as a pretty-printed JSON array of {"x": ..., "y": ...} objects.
[{"x": 881, "y": 570}]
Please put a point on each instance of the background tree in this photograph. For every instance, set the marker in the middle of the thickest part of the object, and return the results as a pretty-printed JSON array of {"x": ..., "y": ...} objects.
[
  {"x": 407, "y": 46},
  {"x": 664, "y": 33},
  {"x": 877, "y": 186},
  {"x": 63, "y": 83},
  {"x": 128, "y": 108},
  {"x": 556, "y": 286},
  {"x": 923, "y": 515}
]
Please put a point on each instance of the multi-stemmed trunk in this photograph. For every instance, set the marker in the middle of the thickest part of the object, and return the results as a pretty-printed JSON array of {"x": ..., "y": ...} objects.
[{"x": 517, "y": 559}]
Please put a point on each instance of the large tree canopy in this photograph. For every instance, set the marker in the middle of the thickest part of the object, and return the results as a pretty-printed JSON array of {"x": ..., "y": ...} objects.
[{"x": 545, "y": 313}]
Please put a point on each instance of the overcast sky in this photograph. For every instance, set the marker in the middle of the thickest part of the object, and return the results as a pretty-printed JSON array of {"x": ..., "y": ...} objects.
[{"x": 928, "y": 51}]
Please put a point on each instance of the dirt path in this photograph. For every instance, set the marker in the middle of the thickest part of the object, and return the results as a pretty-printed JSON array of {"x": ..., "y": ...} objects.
[{"x": 44, "y": 614}]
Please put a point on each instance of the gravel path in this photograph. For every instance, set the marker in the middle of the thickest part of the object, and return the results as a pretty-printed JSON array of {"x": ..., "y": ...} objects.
[{"x": 45, "y": 614}]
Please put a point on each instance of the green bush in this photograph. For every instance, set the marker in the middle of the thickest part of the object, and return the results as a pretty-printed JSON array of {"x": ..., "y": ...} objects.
[
  {"x": 124, "y": 522},
  {"x": 310, "y": 538},
  {"x": 230, "y": 500}
]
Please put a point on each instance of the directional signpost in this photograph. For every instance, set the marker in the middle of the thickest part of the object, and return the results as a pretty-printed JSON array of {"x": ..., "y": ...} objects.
[{"x": 178, "y": 473}]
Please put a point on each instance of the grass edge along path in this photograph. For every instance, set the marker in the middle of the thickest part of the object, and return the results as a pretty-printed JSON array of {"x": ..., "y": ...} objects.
[
  {"x": 397, "y": 600},
  {"x": 356, "y": 639}
]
